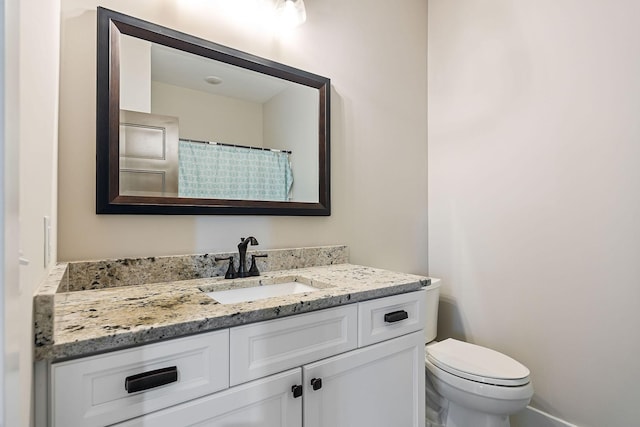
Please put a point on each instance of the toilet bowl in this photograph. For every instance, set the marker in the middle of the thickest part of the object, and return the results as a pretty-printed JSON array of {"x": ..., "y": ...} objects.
[{"x": 469, "y": 385}]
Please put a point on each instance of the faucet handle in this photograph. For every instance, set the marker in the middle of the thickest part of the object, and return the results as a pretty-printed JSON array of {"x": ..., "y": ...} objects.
[
  {"x": 253, "y": 270},
  {"x": 231, "y": 271}
]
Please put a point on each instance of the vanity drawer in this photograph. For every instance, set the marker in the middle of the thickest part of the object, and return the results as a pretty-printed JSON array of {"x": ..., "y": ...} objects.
[
  {"x": 264, "y": 348},
  {"x": 386, "y": 318},
  {"x": 93, "y": 391}
]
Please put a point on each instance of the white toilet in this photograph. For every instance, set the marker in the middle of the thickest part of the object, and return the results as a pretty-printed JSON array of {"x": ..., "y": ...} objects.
[{"x": 469, "y": 385}]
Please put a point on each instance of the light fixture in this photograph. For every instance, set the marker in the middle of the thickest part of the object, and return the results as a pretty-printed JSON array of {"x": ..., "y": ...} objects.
[{"x": 291, "y": 13}]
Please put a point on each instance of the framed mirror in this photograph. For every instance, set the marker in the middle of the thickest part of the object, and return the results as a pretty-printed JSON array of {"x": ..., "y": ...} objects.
[{"x": 187, "y": 126}]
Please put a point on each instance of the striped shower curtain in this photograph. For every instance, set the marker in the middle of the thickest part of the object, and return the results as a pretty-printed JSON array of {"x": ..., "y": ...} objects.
[{"x": 225, "y": 172}]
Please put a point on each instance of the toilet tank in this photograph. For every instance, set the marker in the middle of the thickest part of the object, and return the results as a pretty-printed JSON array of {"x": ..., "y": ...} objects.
[{"x": 433, "y": 297}]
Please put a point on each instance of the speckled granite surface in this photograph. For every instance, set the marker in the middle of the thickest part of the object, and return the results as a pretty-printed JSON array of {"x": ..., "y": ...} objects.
[
  {"x": 111, "y": 273},
  {"x": 99, "y": 320},
  {"x": 43, "y": 304}
]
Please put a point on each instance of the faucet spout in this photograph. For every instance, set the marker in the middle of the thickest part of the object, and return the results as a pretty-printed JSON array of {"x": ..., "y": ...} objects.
[{"x": 242, "y": 251}]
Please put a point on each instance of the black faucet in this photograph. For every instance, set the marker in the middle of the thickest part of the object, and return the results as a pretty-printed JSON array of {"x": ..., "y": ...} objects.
[{"x": 242, "y": 250}]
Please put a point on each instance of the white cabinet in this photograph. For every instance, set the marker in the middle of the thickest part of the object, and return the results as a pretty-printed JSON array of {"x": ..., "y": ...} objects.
[
  {"x": 264, "y": 348},
  {"x": 267, "y": 402},
  {"x": 385, "y": 318},
  {"x": 350, "y": 366},
  {"x": 104, "y": 389},
  {"x": 377, "y": 386}
]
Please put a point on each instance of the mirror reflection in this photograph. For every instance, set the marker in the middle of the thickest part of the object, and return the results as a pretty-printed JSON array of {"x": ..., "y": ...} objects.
[
  {"x": 194, "y": 127},
  {"x": 187, "y": 126}
]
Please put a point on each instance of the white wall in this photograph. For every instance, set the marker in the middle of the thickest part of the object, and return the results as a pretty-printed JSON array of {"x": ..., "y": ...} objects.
[
  {"x": 5, "y": 206},
  {"x": 135, "y": 74},
  {"x": 31, "y": 101},
  {"x": 378, "y": 131},
  {"x": 534, "y": 193}
]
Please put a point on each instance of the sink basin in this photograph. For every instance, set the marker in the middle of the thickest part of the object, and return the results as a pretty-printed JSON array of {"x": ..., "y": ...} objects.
[{"x": 234, "y": 296}]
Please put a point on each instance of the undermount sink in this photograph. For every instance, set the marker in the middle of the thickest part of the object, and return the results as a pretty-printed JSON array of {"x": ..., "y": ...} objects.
[{"x": 254, "y": 293}]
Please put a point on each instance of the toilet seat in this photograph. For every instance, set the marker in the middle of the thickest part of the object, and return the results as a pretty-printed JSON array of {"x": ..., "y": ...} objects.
[{"x": 476, "y": 363}]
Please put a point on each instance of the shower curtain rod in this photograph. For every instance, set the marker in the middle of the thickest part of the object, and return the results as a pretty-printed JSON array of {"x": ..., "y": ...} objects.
[{"x": 234, "y": 145}]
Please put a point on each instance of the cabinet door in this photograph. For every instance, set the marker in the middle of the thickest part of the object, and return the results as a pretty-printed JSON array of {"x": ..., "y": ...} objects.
[
  {"x": 268, "y": 402},
  {"x": 377, "y": 386}
]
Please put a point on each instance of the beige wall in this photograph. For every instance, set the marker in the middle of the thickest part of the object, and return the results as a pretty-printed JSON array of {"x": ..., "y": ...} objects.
[
  {"x": 207, "y": 117},
  {"x": 534, "y": 193},
  {"x": 378, "y": 131},
  {"x": 290, "y": 123}
]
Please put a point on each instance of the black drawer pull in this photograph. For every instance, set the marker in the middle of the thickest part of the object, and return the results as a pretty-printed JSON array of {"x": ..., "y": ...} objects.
[
  {"x": 151, "y": 379},
  {"x": 316, "y": 383},
  {"x": 396, "y": 316}
]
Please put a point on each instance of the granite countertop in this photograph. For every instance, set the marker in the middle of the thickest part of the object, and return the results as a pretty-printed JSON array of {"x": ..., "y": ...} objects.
[{"x": 97, "y": 320}]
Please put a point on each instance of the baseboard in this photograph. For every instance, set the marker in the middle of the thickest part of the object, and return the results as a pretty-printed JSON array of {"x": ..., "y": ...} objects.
[{"x": 532, "y": 417}]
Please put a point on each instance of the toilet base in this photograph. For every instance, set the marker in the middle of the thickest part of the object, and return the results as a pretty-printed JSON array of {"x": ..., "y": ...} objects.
[
  {"x": 458, "y": 416},
  {"x": 455, "y": 402}
]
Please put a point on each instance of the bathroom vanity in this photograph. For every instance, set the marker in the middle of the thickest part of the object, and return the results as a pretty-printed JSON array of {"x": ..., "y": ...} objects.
[{"x": 349, "y": 353}]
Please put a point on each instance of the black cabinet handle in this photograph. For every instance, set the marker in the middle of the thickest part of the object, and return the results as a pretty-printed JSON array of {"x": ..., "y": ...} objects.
[
  {"x": 296, "y": 390},
  {"x": 316, "y": 383},
  {"x": 151, "y": 379},
  {"x": 396, "y": 316}
]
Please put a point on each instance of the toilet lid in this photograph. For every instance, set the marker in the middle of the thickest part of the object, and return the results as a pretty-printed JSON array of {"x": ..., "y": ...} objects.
[{"x": 477, "y": 363}]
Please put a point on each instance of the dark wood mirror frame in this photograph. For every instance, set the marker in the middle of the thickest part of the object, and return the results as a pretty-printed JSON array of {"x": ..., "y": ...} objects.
[{"x": 108, "y": 198}]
